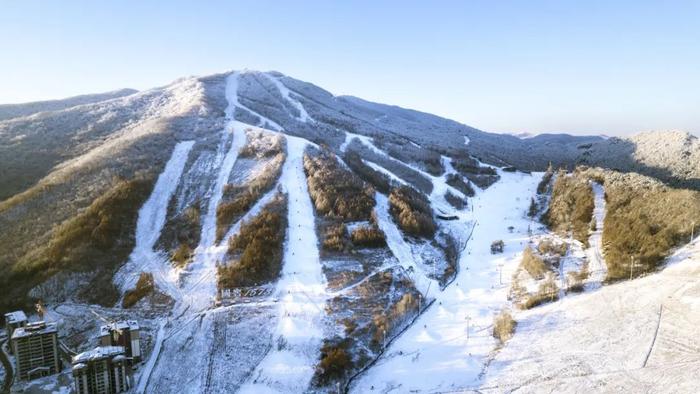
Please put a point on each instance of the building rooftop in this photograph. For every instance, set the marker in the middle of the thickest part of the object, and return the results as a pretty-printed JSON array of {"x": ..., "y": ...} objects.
[
  {"x": 36, "y": 328},
  {"x": 97, "y": 354},
  {"x": 131, "y": 325},
  {"x": 15, "y": 317}
]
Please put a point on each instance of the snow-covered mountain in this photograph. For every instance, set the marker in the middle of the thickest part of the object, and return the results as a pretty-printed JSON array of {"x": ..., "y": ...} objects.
[{"x": 272, "y": 237}]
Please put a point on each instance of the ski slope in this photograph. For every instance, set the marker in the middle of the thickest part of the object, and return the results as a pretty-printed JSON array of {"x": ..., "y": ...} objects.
[
  {"x": 384, "y": 171},
  {"x": 449, "y": 345},
  {"x": 636, "y": 336},
  {"x": 199, "y": 288},
  {"x": 232, "y": 82},
  {"x": 440, "y": 186},
  {"x": 596, "y": 261},
  {"x": 289, "y": 366},
  {"x": 400, "y": 248},
  {"x": 150, "y": 222},
  {"x": 287, "y": 94}
]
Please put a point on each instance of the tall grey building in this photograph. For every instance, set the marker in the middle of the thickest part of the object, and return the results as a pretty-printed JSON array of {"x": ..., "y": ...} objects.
[{"x": 35, "y": 347}]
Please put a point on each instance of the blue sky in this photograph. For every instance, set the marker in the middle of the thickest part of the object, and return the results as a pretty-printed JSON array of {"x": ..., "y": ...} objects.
[{"x": 613, "y": 67}]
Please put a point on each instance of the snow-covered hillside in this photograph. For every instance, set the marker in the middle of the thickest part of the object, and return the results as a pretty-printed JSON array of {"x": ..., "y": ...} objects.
[
  {"x": 635, "y": 336},
  {"x": 392, "y": 290},
  {"x": 448, "y": 347}
]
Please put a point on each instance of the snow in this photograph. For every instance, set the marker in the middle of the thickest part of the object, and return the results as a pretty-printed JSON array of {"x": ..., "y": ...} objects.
[
  {"x": 194, "y": 332},
  {"x": 451, "y": 342},
  {"x": 287, "y": 94},
  {"x": 400, "y": 248},
  {"x": 348, "y": 139},
  {"x": 362, "y": 138},
  {"x": 251, "y": 213},
  {"x": 440, "y": 186},
  {"x": 150, "y": 363},
  {"x": 633, "y": 336},
  {"x": 202, "y": 270},
  {"x": 233, "y": 103},
  {"x": 150, "y": 222},
  {"x": 289, "y": 366},
  {"x": 200, "y": 284},
  {"x": 466, "y": 140},
  {"x": 597, "y": 267}
]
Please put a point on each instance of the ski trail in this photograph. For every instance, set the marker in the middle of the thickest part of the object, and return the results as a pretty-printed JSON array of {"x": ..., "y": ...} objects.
[
  {"x": 233, "y": 103},
  {"x": 440, "y": 186},
  {"x": 597, "y": 266},
  {"x": 151, "y": 362},
  {"x": 449, "y": 344},
  {"x": 399, "y": 248},
  {"x": 289, "y": 366},
  {"x": 149, "y": 225},
  {"x": 384, "y": 171},
  {"x": 201, "y": 285},
  {"x": 367, "y": 141},
  {"x": 287, "y": 94}
]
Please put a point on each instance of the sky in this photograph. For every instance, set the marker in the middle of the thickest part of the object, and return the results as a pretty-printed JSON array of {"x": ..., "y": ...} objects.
[{"x": 580, "y": 67}]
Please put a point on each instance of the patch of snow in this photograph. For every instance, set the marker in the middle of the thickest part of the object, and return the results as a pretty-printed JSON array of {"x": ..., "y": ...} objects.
[
  {"x": 354, "y": 225},
  {"x": 202, "y": 269},
  {"x": 150, "y": 363},
  {"x": 251, "y": 213},
  {"x": 440, "y": 185}
]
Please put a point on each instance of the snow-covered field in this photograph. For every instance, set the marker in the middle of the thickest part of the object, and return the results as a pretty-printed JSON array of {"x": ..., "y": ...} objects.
[
  {"x": 449, "y": 345},
  {"x": 199, "y": 288}
]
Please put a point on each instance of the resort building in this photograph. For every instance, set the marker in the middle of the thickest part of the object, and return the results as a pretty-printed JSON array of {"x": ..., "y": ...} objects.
[
  {"x": 103, "y": 370},
  {"x": 35, "y": 347}
]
